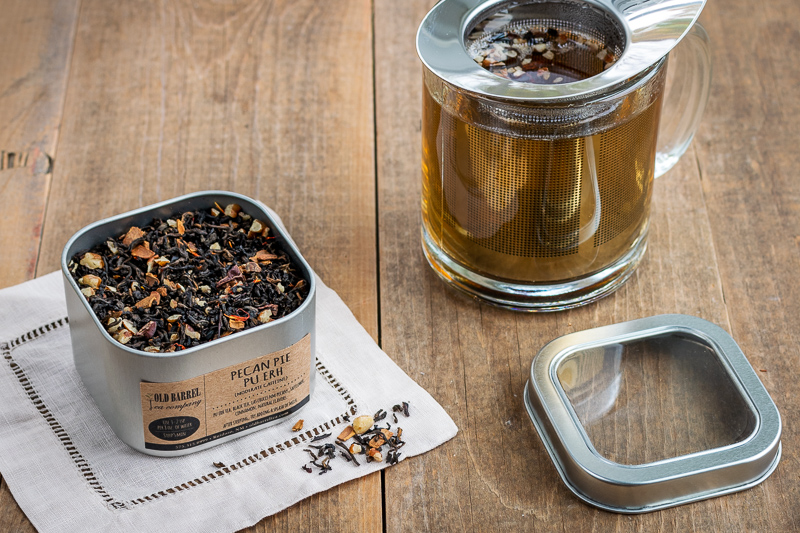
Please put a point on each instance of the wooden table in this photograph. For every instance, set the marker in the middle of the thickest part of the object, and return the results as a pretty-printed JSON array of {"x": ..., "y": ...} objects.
[{"x": 314, "y": 108}]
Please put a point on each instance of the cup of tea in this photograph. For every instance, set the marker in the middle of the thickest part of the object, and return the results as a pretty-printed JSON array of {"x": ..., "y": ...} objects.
[{"x": 544, "y": 125}]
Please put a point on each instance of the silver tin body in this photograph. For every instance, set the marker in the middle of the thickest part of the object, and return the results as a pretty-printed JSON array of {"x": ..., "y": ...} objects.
[
  {"x": 665, "y": 483},
  {"x": 112, "y": 372}
]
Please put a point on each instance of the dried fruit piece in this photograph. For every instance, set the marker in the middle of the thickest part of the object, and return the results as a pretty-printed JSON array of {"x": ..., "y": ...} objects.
[
  {"x": 256, "y": 228},
  {"x": 123, "y": 336},
  {"x": 190, "y": 332},
  {"x": 263, "y": 255},
  {"x": 362, "y": 423},
  {"x": 190, "y": 247},
  {"x": 346, "y": 434},
  {"x": 143, "y": 251},
  {"x": 234, "y": 274},
  {"x": 90, "y": 280},
  {"x": 355, "y": 448},
  {"x": 87, "y": 291},
  {"x": 180, "y": 226},
  {"x": 252, "y": 266},
  {"x": 265, "y": 316},
  {"x": 148, "y": 330},
  {"x": 232, "y": 210},
  {"x": 150, "y": 280},
  {"x": 298, "y": 425},
  {"x": 149, "y": 301},
  {"x": 380, "y": 439},
  {"x": 93, "y": 261},
  {"x": 375, "y": 455},
  {"x": 133, "y": 234}
]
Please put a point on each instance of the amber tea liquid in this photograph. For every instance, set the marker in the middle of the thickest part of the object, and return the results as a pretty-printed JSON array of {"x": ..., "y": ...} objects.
[{"x": 536, "y": 210}]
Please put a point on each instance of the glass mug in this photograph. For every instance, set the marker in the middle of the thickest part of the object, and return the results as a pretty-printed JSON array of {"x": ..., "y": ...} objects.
[{"x": 536, "y": 197}]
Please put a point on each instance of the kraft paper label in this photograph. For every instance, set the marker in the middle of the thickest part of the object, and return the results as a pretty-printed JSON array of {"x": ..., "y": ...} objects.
[{"x": 183, "y": 414}]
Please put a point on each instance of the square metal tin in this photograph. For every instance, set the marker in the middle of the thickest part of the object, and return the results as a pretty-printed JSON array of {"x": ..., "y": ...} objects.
[
  {"x": 113, "y": 372},
  {"x": 564, "y": 410}
]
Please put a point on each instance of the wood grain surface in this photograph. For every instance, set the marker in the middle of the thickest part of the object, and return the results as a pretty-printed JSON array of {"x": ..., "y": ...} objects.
[
  {"x": 314, "y": 108},
  {"x": 166, "y": 98},
  {"x": 36, "y": 40},
  {"x": 748, "y": 157},
  {"x": 495, "y": 475}
]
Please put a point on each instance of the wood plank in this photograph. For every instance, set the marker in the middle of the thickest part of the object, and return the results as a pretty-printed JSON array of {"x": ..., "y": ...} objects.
[
  {"x": 474, "y": 359},
  {"x": 36, "y": 39},
  {"x": 748, "y": 158},
  {"x": 11, "y": 516},
  {"x": 167, "y": 98}
]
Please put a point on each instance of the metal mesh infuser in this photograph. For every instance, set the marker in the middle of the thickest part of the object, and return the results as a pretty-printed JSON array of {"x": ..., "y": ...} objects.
[
  {"x": 513, "y": 196},
  {"x": 540, "y": 122},
  {"x": 531, "y": 191}
]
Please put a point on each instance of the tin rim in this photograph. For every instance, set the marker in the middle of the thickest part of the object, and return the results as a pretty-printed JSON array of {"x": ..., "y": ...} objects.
[{"x": 167, "y": 204}]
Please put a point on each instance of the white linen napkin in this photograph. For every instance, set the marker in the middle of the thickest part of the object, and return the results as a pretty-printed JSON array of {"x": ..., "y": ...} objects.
[{"x": 69, "y": 472}]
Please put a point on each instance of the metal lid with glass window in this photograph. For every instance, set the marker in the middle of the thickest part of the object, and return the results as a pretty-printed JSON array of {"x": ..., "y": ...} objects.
[{"x": 653, "y": 413}]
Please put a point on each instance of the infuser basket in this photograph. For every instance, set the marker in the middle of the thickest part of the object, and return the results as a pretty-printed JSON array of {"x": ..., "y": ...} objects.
[
  {"x": 646, "y": 32},
  {"x": 541, "y": 136}
]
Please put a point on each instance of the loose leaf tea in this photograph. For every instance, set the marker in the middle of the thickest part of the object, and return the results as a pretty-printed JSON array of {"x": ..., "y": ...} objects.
[
  {"x": 538, "y": 54},
  {"x": 189, "y": 279},
  {"x": 371, "y": 442}
]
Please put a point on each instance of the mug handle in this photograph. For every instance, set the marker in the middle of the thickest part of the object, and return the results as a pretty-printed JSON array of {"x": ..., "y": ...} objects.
[{"x": 689, "y": 81}]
